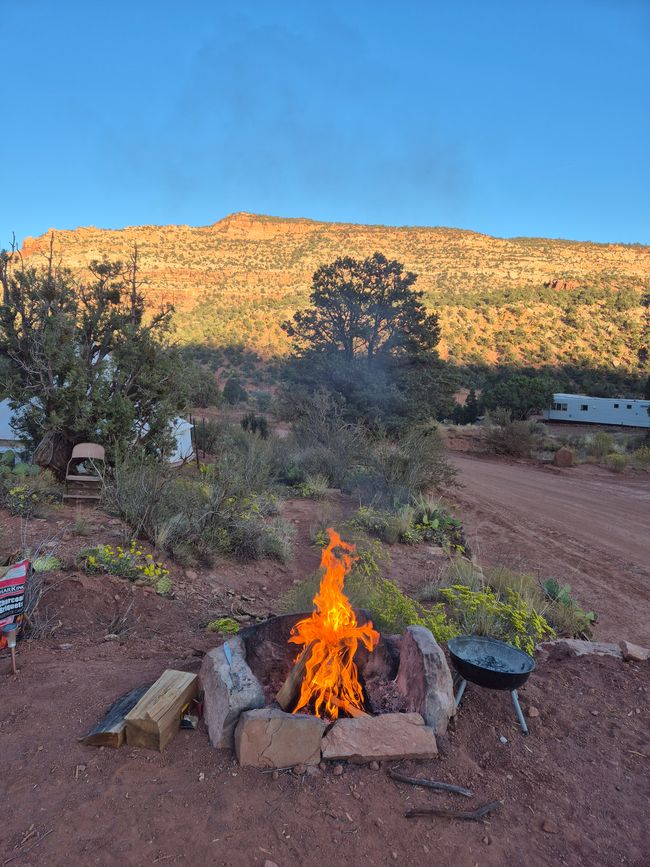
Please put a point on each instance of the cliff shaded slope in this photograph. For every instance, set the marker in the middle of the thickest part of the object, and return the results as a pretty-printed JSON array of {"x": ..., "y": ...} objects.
[{"x": 517, "y": 300}]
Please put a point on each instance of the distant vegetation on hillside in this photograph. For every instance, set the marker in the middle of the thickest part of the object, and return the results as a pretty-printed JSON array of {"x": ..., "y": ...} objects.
[{"x": 522, "y": 301}]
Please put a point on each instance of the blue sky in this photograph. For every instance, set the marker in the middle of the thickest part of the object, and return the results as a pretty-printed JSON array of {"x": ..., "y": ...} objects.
[{"x": 510, "y": 118}]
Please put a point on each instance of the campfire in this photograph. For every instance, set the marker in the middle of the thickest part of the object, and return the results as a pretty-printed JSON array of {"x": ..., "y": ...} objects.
[
  {"x": 325, "y": 671},
  {"x": 326, "y": 685}
]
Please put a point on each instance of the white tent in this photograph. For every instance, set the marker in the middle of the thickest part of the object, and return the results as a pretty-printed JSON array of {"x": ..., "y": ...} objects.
[
  {"x": 183, "y": 449},
  {"x": 8, "y": 439}
]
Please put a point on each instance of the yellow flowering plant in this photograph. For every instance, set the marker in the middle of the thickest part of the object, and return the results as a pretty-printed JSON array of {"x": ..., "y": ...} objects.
[
  {"x": 482, "y": 612},
  {"x": 131, "y": 563}
]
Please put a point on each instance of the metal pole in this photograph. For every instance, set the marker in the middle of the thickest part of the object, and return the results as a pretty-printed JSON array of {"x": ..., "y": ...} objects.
[
  {"x": 461, "y": 690},
  {"x": 520, "y": 715}
]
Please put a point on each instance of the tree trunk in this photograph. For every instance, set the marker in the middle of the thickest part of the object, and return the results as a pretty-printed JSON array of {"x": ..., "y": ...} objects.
[{"x": 53, "y": 453}]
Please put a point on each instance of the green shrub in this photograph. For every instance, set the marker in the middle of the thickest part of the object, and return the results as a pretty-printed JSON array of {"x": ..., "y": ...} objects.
[
  {"x": 25, "y": 489},
  {"x": 564, "y": 612},
  {"x": 483, "y": 612},
  {"x": 601, "y": 444},
  {"x": 193, "y": 518},
  {"x": 46, "y": 563},
  {"x": 641, "y": 456},
  {"x": 255, "y": 424},
  {"x": 617, "y": 463},
  {"x": 314, "y": 487},
  {"x": 514, "y": 438},
  {"x": 225, "y": 625},
  {"x": 425, "y": 520},
  {"x": 390, "y": 609}
]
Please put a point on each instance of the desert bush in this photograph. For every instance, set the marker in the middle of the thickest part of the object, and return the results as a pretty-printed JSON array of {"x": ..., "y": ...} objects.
[
  {"x": 641, "y": 456},
  {"x": 616, "y": 462},
  {"x": 225, "y": 509},
  {"x": 564, "y": 612},
  {"x": 425, "y": 520},
  {"x": 314, "y": 487},
  {"x": 25, "y": 489},
  {"x": 549, "y": 599},
  {"x": 256, "y": 424},
  {"x": 46, "y": 563},
  {"x": 601, "y": 445},
  {"x": 209, "y": 436},
  {"x": 484, "y": 612},
  {"x": 234, "y": 392},
  {"x": 393, "y": 472},
  {"x": 515, "y": 438}
]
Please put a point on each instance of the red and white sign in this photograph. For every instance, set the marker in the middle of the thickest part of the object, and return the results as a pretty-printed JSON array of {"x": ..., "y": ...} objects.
[{"x": 12, "y": 595}]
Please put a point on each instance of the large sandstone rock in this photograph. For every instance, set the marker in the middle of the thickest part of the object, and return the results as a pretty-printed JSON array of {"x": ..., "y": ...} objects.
[
  {"x": 390, "y": 736},
  {"x": 271, "y": 738},
  {"x": 564, "y": 647},
  {"x": 634, "y": 652},
  {"x": 425, "y": 679},
  {"x": 229, "y": 687},
  {"x": 563, "y": 457}
]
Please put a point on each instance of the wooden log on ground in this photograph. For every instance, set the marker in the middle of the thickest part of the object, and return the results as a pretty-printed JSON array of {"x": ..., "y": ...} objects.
[
  {"x": 111, "y": 730},
  {"x": 290, "y": 689},
  {"x": 470, "y": 816},
  {"x": 155, "y": 719},
  {"x": 431, "y": 784}
]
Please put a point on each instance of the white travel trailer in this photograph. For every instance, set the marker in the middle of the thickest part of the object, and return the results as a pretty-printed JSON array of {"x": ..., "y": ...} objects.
[{"x": 599, "y": 410}]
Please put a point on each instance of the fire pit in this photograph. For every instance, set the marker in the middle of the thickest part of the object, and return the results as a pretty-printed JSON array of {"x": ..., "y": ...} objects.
[{"x": 326, "y": 684}]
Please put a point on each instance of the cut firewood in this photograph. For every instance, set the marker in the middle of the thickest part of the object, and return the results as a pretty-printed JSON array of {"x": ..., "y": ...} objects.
[
  {"x": 350, "y": 709},
  {"x": 290, "y": 689},
  {"x": 471, "y": 816},
  {"x": 431, "y": 784},
  {"x": 111, "y": 730},
  {"x": 156, "y": 718}
]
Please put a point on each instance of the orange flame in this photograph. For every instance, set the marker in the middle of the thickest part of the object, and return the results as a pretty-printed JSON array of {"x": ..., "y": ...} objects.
[{"x": 331, "y": 679}]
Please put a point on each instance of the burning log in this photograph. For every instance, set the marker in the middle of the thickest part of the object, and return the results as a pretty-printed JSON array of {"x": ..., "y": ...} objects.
[
  {"x": 350, "y": 709},
  {"x": 290, "y": 689}
]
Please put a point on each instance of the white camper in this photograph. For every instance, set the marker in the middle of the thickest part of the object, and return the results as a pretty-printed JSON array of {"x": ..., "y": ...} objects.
[{"x": 599, "y": 410}]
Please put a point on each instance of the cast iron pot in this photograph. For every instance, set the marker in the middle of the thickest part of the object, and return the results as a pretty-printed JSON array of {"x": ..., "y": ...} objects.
[{"x": 489, "y": 662}]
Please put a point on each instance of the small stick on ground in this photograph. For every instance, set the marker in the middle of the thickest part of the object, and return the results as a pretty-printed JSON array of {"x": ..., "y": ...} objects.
[
  {"x": 473, "y": 816},
  {"x": 431, "y": 784}
]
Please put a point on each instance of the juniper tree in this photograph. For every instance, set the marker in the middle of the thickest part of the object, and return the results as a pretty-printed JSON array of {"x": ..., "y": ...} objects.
[{"x": 81, "y": 359}]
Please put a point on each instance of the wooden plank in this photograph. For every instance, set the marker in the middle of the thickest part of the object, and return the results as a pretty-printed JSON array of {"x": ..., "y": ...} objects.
[
  {"x": 111, "y": 730},
  {"x": 155, "y": 719},
  {"x": 290, "y": 689}
]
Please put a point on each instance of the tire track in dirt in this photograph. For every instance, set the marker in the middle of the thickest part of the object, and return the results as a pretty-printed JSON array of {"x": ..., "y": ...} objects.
[{"x": 584, "y": 526}]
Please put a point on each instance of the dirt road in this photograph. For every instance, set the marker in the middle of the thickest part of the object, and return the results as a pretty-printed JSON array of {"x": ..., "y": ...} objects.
[{"x": 584, "y": 526}]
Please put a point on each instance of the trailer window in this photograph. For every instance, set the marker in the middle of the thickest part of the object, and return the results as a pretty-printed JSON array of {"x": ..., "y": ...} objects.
[
  {"x": 584, "y": 407},
  {"x": 615, "y": 406},
  {"x": 629, "y": 406},
  {"x": 560, "y": 407}
]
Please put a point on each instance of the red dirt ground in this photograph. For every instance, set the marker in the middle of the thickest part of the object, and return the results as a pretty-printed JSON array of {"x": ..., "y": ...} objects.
[
  {"x": 575, "y": 792},
  {"x": 585, "y": 526}
]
